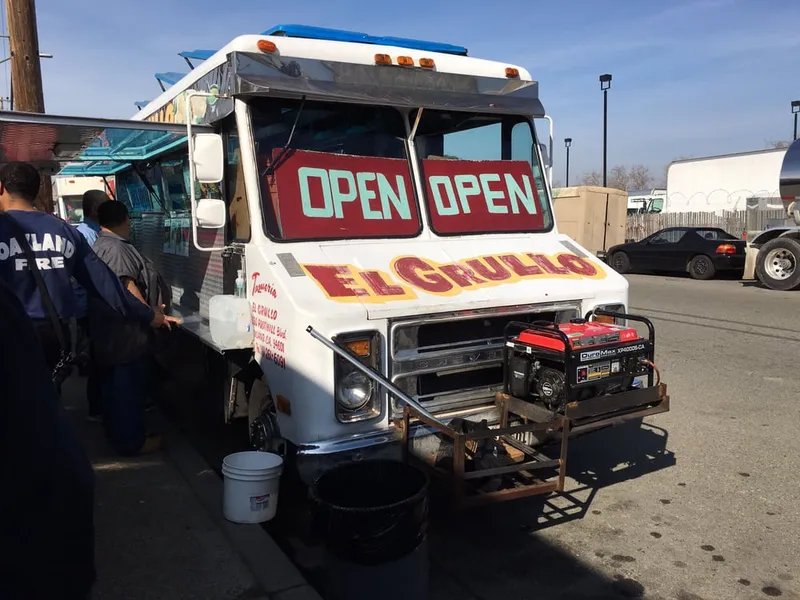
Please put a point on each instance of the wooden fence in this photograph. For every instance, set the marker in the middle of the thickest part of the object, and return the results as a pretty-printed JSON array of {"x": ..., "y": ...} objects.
[{"x": 735, "y": 222}]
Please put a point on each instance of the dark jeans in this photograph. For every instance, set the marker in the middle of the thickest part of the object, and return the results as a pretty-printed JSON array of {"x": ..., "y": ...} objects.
[
  {"x": 94, "y": 390},
  {"x": 124, "y": 390}
]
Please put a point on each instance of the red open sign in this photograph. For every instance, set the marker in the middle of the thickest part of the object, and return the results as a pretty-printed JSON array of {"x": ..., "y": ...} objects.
[
  {"x": 318, "y": 195},
  {"x": 467, "y": 196}
]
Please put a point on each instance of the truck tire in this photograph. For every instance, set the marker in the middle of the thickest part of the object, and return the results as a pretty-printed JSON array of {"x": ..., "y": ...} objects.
[
  {"x": 620, "y": 262},
  {"x": 701, "y": 267},
  {"x": 778, "y": 264}
]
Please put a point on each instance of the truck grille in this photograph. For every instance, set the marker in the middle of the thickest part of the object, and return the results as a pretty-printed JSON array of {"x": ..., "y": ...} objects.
[{"x": 454, "y": 361}]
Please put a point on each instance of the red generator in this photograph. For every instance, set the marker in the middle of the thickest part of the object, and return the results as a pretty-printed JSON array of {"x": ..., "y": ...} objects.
[{"x": 553, "y": 364}]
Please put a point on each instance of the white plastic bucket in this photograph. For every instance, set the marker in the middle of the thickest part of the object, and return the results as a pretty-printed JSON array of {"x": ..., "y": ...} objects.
[{"x": 252, "y": 480}]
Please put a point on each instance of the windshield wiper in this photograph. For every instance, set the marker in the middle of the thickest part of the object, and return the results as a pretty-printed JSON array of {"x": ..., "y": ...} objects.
[{"x": 274, "y": 164}]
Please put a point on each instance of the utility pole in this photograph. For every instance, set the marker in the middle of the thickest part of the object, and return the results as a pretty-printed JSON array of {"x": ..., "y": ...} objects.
[{"x": 26, "y": 73}]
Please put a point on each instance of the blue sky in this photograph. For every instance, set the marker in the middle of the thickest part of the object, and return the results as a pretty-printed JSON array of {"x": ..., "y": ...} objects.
[{"x": 691, "y": 77}]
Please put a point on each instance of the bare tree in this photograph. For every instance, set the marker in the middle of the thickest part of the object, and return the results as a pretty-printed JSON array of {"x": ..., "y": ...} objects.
[
  {"x": 635, "y": 177},
  {"x": 639, "y": 178},
  {"x": 778, "y": 144},
  {"x": 618, "y": 178},
  {"x": 592, "y": 178}
]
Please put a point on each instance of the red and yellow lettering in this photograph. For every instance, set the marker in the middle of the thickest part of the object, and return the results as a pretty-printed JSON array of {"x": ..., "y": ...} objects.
[
  {"x": 578, "y": 265},
  {"x": 518, "y": 267},
  {"x": 489, "y": 268},
  {"x": 347, "y": 283},
  {"x": 376, "y": 282},
  {"x": 460, "y": 275},
  {"x": 422, "y": 275},
  {"x": 548, "y": 267},
  {"x": 336, "y": 280}
]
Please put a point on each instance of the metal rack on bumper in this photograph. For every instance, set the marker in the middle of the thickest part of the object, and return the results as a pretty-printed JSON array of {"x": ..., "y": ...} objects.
[
  {"x": 498, "y": 454},
  {"x": 485, "y": 463}
]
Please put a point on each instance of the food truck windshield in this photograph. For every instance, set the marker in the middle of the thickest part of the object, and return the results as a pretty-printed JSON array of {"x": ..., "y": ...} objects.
[{"x": 337, "y": 171}]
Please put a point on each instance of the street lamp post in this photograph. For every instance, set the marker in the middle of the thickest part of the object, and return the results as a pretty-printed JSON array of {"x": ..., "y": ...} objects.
[
  {"x": 567, "y": 144},
  {"x": 605, "y": 84},
  {"x": 795, "y": 111}
]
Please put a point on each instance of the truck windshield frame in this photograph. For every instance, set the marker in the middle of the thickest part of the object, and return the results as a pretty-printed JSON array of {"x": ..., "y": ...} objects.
[
  {"x": 501, "y": 150},
  {"x": 312, "y": 192}
]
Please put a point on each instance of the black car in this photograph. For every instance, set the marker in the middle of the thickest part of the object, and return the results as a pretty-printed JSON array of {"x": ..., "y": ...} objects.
[{"x": 700, "y": 251}]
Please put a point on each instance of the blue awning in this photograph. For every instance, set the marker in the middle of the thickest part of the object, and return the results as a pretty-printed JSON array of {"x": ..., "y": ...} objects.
[
  {"x": 169, "y": 78},
  {"x": 197, "y": 54},
  {"x": 115, "y": 149},
  {"x": 340, "y": 35},
  {"x": 94, "y": 169},
  {"x": 128, "y": 145},
  {"x": 51, "y": 142}
]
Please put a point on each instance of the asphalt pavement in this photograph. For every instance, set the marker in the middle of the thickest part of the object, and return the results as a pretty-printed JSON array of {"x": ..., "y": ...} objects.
[{"x": 698, "y": 504}]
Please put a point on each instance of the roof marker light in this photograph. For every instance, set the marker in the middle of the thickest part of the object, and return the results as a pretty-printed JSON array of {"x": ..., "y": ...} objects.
[
  {"x": 427, "y": 63},
  {"x": 512, "y": 73},
  {"x": 405, "y": 61},
  {"x": 383, "y": 59},
  {"x": 267, "y": 46}
]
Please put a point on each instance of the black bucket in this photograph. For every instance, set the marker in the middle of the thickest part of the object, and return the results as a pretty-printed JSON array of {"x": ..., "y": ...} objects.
[{"x": 373, "y": 516}]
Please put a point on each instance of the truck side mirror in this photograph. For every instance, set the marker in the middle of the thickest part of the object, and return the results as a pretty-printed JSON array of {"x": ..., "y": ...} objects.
[
  {"x": 208, "y": 156},
  {"x": 211, "y": 213}
]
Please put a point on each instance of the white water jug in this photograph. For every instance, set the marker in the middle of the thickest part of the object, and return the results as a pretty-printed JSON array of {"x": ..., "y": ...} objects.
[{"x": 229, "y": 319}]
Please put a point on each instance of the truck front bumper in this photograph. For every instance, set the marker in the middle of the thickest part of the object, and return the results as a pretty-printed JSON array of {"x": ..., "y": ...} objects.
[
  {"x": 315, "y": 458},
  {"x": 584, "y": 417}
]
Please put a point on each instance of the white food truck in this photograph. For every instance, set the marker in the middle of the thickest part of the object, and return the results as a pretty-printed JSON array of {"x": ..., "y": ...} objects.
[{"x": 353, "y": 228}]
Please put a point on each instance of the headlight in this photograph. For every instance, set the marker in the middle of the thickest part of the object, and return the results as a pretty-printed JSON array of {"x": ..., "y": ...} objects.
[
  {"x": 354, "y": 390},
  {"x": 356, "y": 396}
]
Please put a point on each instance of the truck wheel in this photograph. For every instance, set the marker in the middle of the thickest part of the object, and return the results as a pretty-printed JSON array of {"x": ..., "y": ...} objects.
[
  {"x": 620, "y": 262},
  {"x": 777, "y": 264},
  {"x": 701, "y": 267}
]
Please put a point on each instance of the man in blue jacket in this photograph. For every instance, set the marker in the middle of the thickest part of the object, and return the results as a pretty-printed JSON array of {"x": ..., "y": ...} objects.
[
  {"x": 47, "y": 499},
  {"x": 60, "y": 253},
  {"x": 89, "y": 228}
]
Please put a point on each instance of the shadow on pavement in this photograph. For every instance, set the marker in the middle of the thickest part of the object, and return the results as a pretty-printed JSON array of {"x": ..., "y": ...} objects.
[
  {"x": 497, "y": 552},
  {"x": 153, "y": 538},
  {"x": 603, "y": 459}
]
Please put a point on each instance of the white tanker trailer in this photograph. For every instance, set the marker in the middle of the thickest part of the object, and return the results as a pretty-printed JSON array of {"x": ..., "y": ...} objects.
[{"x": 773, "y": 255}]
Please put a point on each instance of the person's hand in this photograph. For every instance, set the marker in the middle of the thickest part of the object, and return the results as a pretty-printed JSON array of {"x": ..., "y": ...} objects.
[
  {"x": 158, "y": 319},
  {"x": 162, "y": 320}
]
